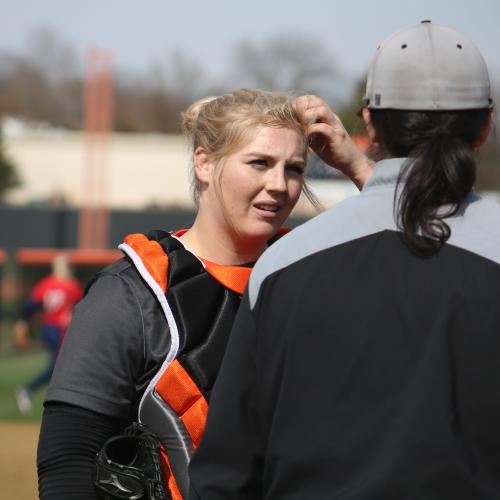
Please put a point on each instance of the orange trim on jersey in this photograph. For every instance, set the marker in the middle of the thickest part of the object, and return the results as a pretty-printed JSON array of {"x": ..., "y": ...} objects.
[
  {"x": 173, "y": 488},
  {"x": 283, "y": 230},
  {"x": 152, "y": 255},
  {"x": 182, "y": 395},
  {"x": 233, "y": 277},
  {"x": 179, "y": 232}
]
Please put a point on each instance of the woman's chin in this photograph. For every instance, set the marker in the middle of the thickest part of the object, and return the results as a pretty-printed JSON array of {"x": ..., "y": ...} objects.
[{"x": 259, "y": 233}]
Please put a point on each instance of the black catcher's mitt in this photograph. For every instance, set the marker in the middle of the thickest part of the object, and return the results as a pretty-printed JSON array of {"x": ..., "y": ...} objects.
[{"x": 128, "y": 466}]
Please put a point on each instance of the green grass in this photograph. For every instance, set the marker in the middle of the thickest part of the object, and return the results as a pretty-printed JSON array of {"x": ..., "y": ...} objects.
[{"x": 16, "y": 369}]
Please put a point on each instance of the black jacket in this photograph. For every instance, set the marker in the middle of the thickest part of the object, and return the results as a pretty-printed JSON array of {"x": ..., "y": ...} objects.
[{"x": 356, "y": 370}]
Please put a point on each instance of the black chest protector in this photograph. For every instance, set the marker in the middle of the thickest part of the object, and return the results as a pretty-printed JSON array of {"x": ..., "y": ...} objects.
[
  {"x": 199, "y": 300},
  {"x": 204, "y": 311}
]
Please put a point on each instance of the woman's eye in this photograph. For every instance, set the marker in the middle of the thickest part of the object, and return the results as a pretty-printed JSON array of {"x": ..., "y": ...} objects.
[
  {"x": 259, "y": 163},
  {"x": 296, "y": 169}
]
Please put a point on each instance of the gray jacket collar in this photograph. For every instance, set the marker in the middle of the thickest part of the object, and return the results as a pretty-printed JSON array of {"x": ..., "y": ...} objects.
[{"x": 385, "y": 173}]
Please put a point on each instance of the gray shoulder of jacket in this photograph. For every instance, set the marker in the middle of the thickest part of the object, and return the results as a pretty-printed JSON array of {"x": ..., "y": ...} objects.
[
  {"x": 476, "y": 228},
  {"x": 337, "y": 225}
]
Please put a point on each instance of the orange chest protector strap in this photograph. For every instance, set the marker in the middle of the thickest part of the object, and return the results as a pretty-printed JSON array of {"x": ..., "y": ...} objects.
[{"x": 200, "y": 300}]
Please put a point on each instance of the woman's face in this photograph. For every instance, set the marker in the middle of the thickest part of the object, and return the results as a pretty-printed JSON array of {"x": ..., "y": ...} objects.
[{"x": 258, "y": 186}]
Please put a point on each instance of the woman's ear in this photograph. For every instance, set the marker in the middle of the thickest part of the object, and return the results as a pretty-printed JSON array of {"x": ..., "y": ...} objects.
[
  {"x": 202, "y": 165},
  {"x": 370, "y": 129},
  {"x": 486, "y": 130}
]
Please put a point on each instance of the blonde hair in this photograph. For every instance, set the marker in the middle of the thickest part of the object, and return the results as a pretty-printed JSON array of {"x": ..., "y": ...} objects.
[
  {"x": 223, "y": 125},
  {"x": 61, "y": 266}
]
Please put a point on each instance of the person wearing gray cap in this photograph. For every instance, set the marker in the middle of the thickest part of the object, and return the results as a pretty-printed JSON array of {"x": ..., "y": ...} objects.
[{"x": 364, "y": 360}]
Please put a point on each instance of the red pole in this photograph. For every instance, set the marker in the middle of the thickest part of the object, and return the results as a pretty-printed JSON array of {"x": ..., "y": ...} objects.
[{"x": 98, "y": 111}]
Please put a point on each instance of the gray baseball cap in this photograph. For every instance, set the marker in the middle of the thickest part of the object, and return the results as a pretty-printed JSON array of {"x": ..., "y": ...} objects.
[{"x": 428, "y": 67}]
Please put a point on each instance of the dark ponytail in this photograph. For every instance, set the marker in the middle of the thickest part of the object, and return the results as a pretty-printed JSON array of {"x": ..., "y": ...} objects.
[{"x": 441, "y": 170}]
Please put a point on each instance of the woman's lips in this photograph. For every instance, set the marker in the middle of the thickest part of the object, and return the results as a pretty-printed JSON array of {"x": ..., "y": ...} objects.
[{"x": 267, "y": 209}]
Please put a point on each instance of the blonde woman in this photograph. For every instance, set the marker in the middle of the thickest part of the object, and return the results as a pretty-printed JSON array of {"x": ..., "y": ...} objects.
[{"x": 147, "y": 340}]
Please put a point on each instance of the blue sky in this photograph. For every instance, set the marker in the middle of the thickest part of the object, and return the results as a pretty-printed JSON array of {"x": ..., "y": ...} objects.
[{"x": 139, "y": 32}]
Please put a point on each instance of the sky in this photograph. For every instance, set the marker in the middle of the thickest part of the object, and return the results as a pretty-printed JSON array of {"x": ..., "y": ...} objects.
[{"x": 140, "y": 32}]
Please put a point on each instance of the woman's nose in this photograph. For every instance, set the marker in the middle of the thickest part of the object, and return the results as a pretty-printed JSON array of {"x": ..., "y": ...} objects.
[{"x": 276, "y": 181}]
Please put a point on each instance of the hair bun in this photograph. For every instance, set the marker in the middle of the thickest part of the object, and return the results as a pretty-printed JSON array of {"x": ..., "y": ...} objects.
[{"x": 190, "y": 116}]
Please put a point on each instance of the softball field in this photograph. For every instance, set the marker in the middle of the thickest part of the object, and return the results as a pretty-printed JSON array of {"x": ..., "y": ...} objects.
[{"x": 17, "y": 460}]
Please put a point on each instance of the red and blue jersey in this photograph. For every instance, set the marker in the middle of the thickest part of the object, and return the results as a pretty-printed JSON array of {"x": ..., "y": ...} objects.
[{"x": 57, "y": 298}]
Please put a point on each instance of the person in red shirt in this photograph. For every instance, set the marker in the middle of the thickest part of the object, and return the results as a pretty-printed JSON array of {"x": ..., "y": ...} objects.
[{"x": 55, "y": 296}]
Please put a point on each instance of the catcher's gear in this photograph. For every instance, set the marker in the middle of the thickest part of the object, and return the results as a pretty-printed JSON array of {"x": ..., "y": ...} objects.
[{"x": 129, "y": 466}]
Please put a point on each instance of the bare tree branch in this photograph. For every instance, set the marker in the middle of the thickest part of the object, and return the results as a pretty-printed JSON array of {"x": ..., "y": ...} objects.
[{"x": 285, "y": 62}]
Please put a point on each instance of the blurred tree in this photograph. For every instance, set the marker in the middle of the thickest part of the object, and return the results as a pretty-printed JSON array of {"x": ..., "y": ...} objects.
[
  {"x": 286, "y": 62},
  {"x": 8, "y": 175},
  {"x": 153, "y": 101},
  {"x": 56, "y": 60},
  {"x": 184, "y": 76},
  {"x": 147, "y": 103},
  {"x": 348, "y": 113},
  {"x": 25, "y": 90},
  {"x": 52, "y": 54},
  {"x": 44, "y": 83}
]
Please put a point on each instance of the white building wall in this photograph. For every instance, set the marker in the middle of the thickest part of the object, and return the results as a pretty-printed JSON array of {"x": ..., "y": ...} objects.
[{"x": 141, "y": 170}]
